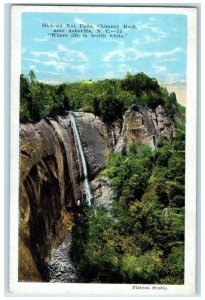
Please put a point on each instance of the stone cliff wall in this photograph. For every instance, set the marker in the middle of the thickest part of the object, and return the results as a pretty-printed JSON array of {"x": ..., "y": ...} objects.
[
  {"x": 51, "y": 184},
  {"x": 44, "y": 196},
  {"x": 95, "y": 140},
  {"x": 145, "y": 126}
]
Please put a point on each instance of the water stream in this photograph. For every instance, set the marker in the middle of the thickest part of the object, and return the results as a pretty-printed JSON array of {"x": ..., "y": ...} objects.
[{"x": 82, "y": 156}]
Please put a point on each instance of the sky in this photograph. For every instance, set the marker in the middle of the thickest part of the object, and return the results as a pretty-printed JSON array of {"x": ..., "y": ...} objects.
[{"x": 155, "y": 44}]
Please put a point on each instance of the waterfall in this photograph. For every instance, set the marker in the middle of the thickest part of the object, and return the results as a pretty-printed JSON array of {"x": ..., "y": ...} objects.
[{"x": 82, "y": 156}]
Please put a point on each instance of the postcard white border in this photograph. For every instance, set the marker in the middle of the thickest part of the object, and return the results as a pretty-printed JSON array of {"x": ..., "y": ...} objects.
[{"x": 190, "y": 221}]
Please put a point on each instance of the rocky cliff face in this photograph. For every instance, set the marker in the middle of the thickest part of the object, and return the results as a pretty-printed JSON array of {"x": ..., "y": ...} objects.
[
  {"x": 46, "y": 193},
  {"x": 51, "y": 178},
  {"x": 51, "y": 185},
  {"x": 145, "y": 126},
  {"x": 96, "y": 141}
]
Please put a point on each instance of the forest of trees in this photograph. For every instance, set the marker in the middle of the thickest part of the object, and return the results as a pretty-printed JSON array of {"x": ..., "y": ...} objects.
[
  {"x": 142, "y": 240},
  {"x": 108, "y": 98}
]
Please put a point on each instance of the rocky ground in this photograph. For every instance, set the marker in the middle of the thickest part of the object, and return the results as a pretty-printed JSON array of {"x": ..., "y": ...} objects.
[
  {"x": 102, "y": 193},
  {"x": 60, "y": 267}
]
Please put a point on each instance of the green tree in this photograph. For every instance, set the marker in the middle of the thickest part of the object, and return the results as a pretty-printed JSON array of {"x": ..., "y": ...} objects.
[
  {"x": 171, "y": 104},
  {"x": 32, "y": 76},
  {"x": 96, "y": 107},
  {"x": 25, "y": 97},
  {"x": 111, "y": 109}
]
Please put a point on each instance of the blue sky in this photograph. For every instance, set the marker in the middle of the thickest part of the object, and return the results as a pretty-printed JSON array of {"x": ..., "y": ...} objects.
[{"x": 157, "y": 46}]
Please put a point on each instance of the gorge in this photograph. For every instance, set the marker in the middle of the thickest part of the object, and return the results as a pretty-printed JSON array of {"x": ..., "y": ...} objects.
[{"x": 61, "y": 165}]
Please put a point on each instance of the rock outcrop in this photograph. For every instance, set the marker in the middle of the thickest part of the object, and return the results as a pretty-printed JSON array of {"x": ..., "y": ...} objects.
[
  {"x": 96, "y": 140},
  {"x": 145, "y": 126},
  {"x": 103, "y": 195}
]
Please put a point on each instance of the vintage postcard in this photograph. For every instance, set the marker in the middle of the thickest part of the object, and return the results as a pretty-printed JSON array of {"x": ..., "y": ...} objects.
[{"x": 103, "y": 158}]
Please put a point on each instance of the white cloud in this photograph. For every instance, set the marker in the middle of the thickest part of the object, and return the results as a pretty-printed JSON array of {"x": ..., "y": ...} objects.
[
  {"x": 151, "y": 32},
  {"x": 50, "y": 63},
  {"x": 160, "y": 34},
  {"x": 44, "y": 39},
  {"x": 50, "y": 54},
  {"x": 80, "y": 68},
  {"x": 110, "y": 75},
  {"x": 36, "y": 60},
  {"x": 148, "y": 39},
  {"x": 51, "y": 81},
  {"x": 62, "y": 54},
  {"x": 120, "y": 44},
  {"x": 123, "y": 67},
  {"x": 159, "y": 69},
  {"x": 118, "y": 53},
  {"x": 108, "y": 65},
  {"x": 62, "y": 59},
  {"x": 168, "y": 53},
  {"x": 62, "y": 66},
  {"x": 152, "y": 19},
  {"x": 72, "y": 54},
  {"x": 168, "y": 59},
  {"x": 129, "y": 54},
  {"x": 50, "y": 73},
  {"x": 79, "y": 21},
  {"x": 119, "y": 71},
  {"x": 152, "y": 28},
  {"x": 59, "y": 66}
]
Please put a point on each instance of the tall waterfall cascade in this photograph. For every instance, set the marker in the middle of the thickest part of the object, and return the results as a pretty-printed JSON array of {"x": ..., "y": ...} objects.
[{"x": 82, "y": 156}]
